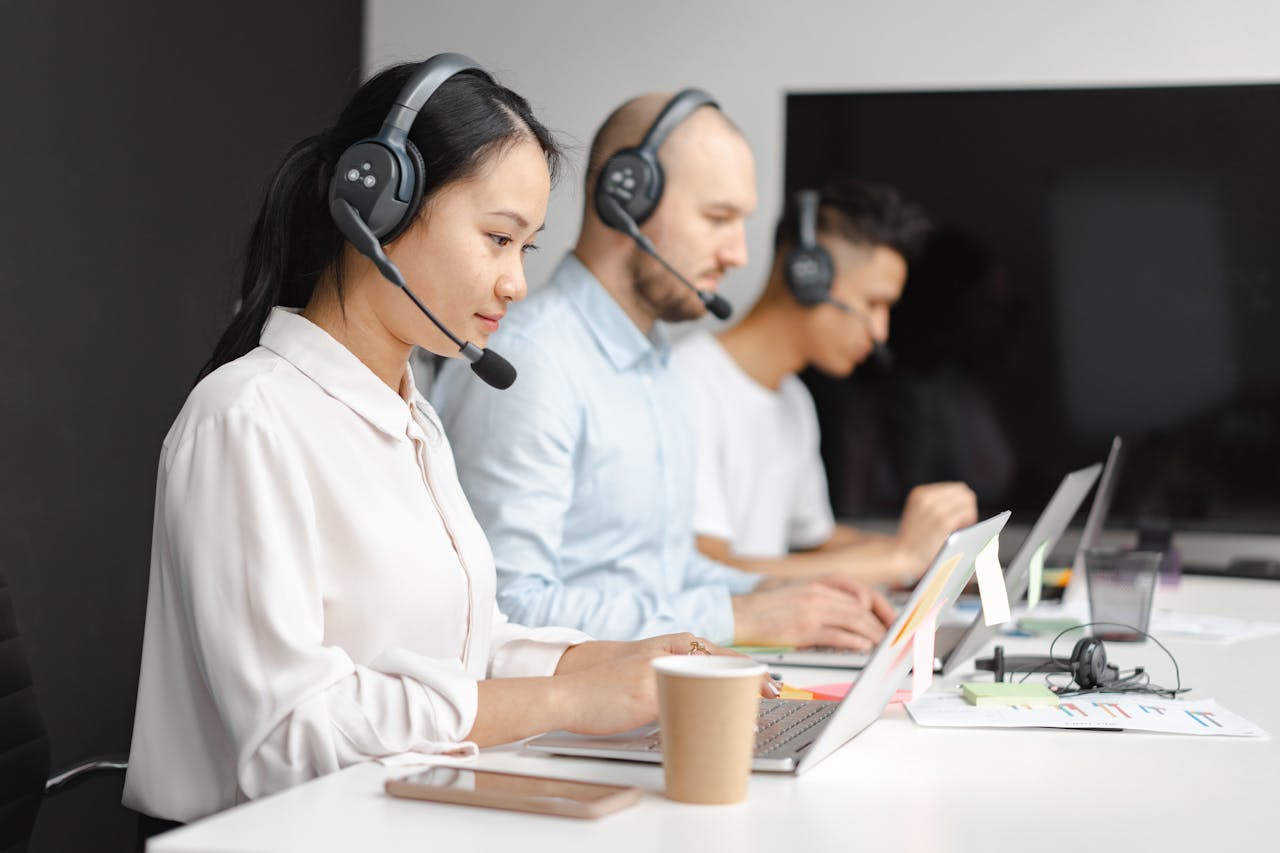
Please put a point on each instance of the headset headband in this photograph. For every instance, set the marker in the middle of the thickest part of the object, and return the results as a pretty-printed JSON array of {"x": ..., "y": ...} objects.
[
  {"x": 807, "y": 202},
  {"x": 416, "y": 92},
  {"x": 677, "y": 110}
]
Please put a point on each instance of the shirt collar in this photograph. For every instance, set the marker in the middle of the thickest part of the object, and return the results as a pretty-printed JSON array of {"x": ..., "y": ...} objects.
[
  {"x": 615, "y": 333},
  {"x": 339, "y": 372}
]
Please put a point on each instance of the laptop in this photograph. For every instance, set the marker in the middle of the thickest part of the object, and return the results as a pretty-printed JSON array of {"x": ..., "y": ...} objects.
[
  {"x": 1076, "y": 592},
  {"x": 792, "y": 735},
  {"x": 956, "y": 642},
  {"x": 1047, "y": 530}
]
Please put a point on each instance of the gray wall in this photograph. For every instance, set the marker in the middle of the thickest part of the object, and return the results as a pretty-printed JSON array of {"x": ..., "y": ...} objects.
[
  {"x": 137, "y": 139},
  {"x": 576, "y": 59}
]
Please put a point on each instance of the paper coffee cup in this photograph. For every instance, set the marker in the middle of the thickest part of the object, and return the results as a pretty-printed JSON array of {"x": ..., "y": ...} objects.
[{"x": 707, "y": 707}]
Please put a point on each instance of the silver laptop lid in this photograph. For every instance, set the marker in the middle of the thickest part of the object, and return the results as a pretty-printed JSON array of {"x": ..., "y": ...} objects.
[
  {"x": 934, "y": 593},
  {"x": 1048, "y": 528},
  {"x": 1076, "y": 590}
]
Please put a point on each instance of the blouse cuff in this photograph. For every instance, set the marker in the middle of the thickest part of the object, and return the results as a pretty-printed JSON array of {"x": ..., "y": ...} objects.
[{"x": 535, "y": 655}]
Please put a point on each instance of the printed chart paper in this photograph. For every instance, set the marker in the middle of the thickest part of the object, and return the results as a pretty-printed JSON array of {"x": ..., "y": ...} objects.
[{"x": 1090, "y": 711}]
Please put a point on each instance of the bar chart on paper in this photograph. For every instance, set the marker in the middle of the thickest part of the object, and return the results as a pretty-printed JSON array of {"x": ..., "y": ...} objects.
[{"x": 1090, "y": 711}]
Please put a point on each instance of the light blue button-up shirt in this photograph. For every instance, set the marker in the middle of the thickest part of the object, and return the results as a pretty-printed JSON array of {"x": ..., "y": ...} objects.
[{"x": 581, "y": 473}]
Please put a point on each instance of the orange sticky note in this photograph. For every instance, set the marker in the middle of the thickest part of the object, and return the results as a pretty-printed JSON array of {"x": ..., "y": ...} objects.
[{"x": 835, "y": 692}]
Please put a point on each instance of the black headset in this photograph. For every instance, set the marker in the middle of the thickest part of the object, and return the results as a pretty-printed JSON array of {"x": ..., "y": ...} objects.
[
  {"x": 633, "y": 177},
  {"x": 1088, "y": 664},
  {"x": 630, "y": 184},
  {"x": 376, "y": 191},
  {"x": 382, "y": 176},
  {"x": 810, "y": 272}
]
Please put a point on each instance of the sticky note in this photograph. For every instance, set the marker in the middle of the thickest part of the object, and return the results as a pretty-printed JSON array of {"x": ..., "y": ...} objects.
[
  {"x": 789, "y": 692},
  {"x": 991, "y": 588},
  {"x": 1046, "y": 625},
  {"x": 922, "y": 655},
  {"x": 837, "y": 690},
  {"x": 928, "y": 598},
  {"x": 986, "y": 694},
  {"x": 1035, "y": 576}
]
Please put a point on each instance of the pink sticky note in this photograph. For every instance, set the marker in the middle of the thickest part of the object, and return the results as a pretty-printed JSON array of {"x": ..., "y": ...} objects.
[{"x": 922, "y": 655}]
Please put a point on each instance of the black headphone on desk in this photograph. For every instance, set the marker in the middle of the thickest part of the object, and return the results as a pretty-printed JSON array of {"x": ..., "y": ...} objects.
[{"x": 1088, "y": 664}]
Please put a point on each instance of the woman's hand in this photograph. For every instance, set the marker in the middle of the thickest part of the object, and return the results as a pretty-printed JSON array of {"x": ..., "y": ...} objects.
[
  {"x": 612, "y": 687},
  {"x": 599, "y": 652}
]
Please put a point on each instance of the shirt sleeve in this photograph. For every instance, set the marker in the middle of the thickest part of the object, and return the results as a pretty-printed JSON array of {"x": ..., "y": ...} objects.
[
  {"x": 239, "y": 543},
  {"x": 811, "y": 522},
  {"x": 518, "y": 651},
  {"x": 515, "y": 454},
  {"x": 711, "y": 515}
]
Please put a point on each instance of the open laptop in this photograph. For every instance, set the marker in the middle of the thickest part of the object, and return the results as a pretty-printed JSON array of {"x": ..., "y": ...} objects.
[
  {"x": 955, "y": 642},
  {"x": 1077, "y": 589},
  {"x": 1047, "y": 530},
  {"x": 794, "y": 734}
]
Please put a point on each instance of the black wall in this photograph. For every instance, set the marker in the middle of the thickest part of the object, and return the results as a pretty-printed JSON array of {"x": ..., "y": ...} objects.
[{"x": 136, "y": 141}]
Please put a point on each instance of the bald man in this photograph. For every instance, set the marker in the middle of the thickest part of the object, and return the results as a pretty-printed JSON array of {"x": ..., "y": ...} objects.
[{"x": 581, "y": 473}]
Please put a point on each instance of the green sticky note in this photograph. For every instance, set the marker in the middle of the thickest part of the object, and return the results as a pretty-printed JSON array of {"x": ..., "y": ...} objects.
[
  {"x": 986, "y": 693},
  {"x": 1035, "y": 577},
  {"x": 1046, "y": 624}
]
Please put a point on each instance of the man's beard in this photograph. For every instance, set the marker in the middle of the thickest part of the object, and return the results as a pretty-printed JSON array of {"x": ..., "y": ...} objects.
[{"x": 668, "y": 299}]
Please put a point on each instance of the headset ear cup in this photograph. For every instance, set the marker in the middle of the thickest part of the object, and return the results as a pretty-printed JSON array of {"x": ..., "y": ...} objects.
[
  {"x": 810, "y": 274},
  {"x": 1088, "y": 663},
  {"x": 415, "y": 198},
  {"x": 633, "y": 179}
]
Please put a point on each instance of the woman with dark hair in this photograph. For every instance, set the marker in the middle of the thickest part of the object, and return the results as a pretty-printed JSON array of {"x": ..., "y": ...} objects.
[{"x": 320, "y": 592}]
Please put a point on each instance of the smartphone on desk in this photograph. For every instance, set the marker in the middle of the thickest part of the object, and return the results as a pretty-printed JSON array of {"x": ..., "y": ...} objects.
[{"x": 491, "y": 789}]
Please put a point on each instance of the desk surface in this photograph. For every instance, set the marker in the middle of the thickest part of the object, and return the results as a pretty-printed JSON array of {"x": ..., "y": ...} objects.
[{"x": 896, "y": 786}]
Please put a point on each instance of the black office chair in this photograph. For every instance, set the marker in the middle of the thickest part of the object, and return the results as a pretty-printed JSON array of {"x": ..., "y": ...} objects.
[{"x": 24, "y": 742}]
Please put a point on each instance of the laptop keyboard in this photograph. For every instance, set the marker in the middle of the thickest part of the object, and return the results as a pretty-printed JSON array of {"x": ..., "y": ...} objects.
[{"x": 781, "y": 722}]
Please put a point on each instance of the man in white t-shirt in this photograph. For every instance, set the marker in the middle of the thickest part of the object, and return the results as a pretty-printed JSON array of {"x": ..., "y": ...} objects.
[{"x": 761, "y": 502}]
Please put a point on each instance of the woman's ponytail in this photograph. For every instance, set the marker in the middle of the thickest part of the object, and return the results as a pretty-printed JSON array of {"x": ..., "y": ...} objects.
[{"x": 291, "y": 244}]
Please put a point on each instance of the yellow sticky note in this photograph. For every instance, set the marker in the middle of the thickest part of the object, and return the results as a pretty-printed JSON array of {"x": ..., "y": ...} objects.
[
  {"x": 789, "y": 692},
  {"x": 995, "y": 597},
  {"x": 1035, "y": 576}
]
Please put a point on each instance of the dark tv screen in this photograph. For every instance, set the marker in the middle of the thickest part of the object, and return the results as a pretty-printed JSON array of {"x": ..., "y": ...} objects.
[{"x": 1104, "y": 262}]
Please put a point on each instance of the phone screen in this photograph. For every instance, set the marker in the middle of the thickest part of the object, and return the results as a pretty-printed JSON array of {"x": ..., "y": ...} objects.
[{"x": 509, "y": 784}]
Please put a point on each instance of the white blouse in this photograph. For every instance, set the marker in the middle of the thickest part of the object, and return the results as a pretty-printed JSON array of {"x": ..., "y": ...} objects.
[{"x": 320, "y": 592}]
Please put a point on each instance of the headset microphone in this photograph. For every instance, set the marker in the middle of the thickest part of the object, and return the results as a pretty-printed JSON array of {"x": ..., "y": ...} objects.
[
  {"x": 715, "y": 303},
  {"x": 880, "y": 352},
  {"x": 487, "y": 364}
]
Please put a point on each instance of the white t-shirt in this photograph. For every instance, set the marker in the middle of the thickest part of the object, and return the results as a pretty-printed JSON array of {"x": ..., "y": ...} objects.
[
  {"x": 320, "y": 592},
  {"x": 760, "y": 483}
]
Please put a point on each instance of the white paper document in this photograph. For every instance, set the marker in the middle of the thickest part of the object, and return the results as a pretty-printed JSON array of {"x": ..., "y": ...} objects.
[
  {"x": 1212, "y": 629},
  {"x": 1091, "y": 711}
]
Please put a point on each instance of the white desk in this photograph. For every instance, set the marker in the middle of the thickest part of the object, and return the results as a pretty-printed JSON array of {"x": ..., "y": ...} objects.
[{"x": 896, "y": 786}]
